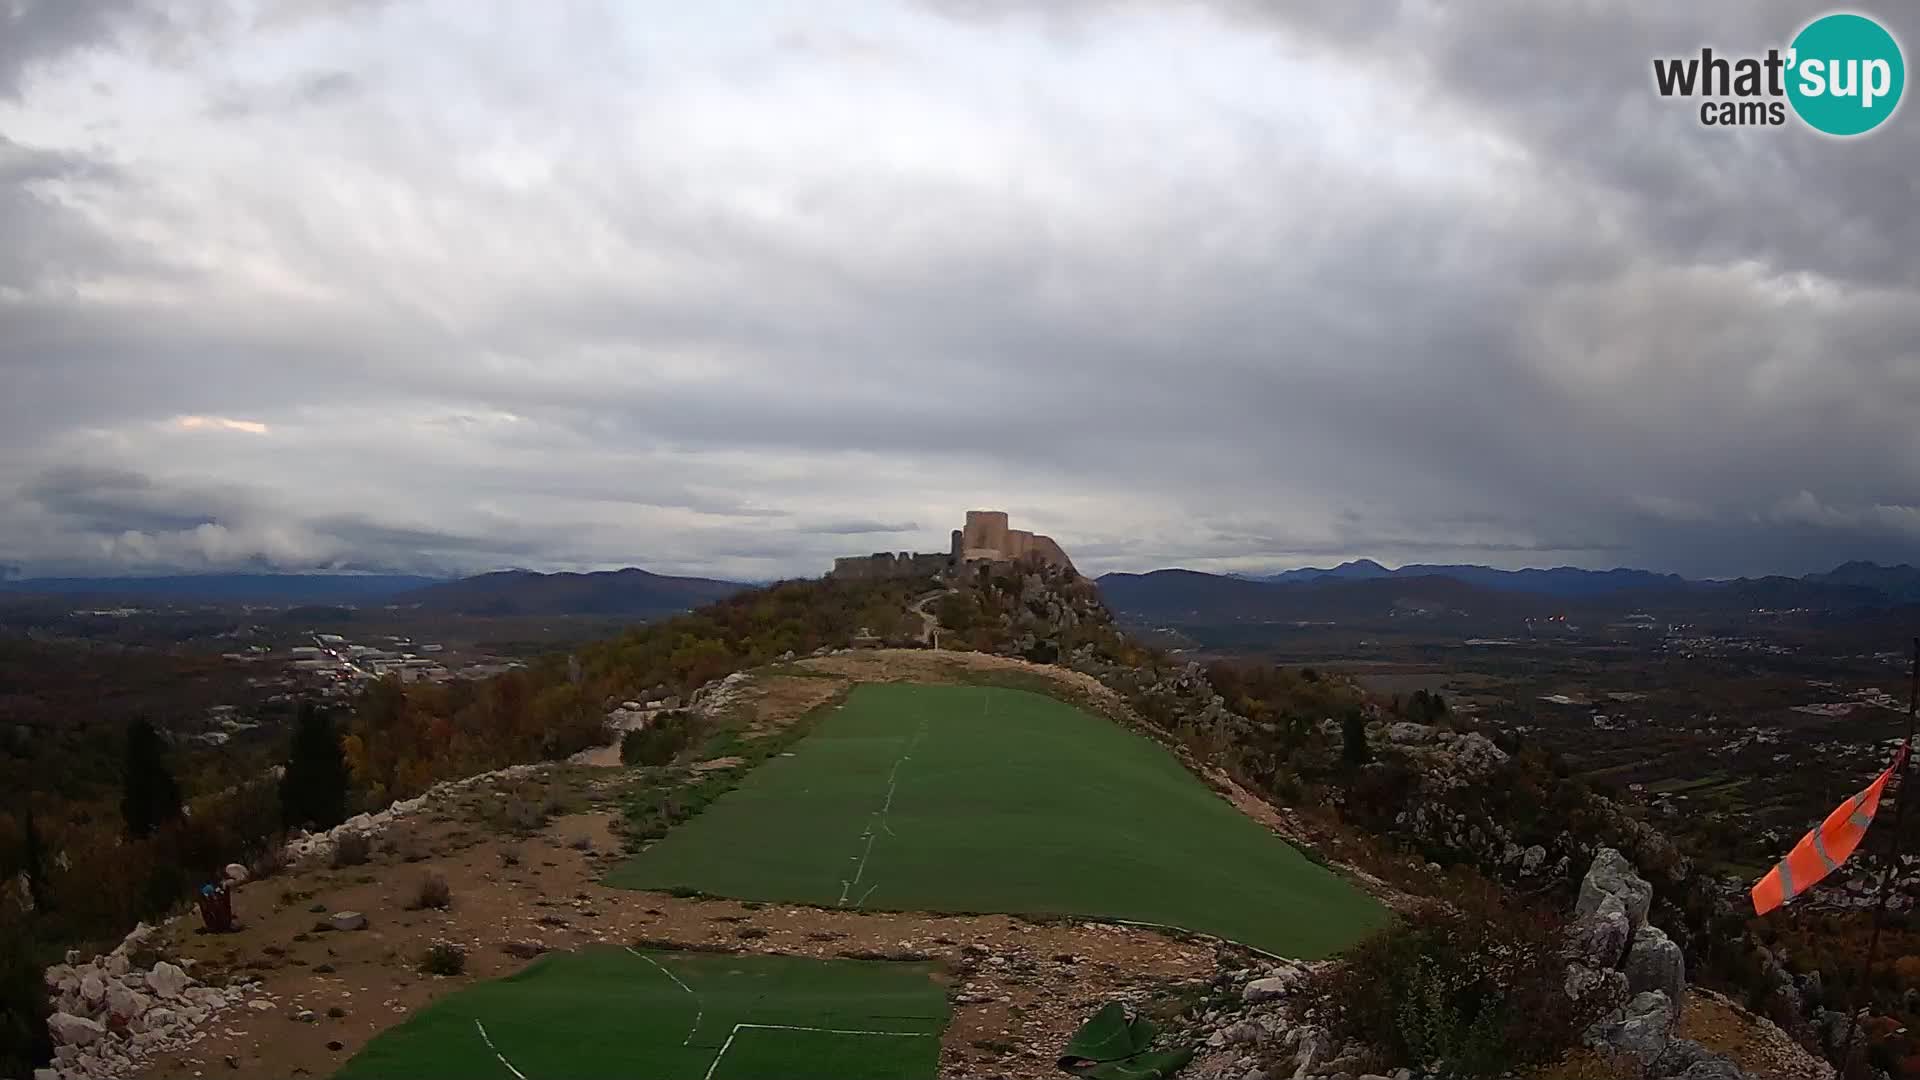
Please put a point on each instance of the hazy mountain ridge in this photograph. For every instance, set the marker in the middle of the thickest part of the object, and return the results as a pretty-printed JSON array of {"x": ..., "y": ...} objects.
[
  {"x": 1364, "y": 589},
  {"x": 631, "y": 591},
  {"x": 1558, "y": 581},
  {"x": 230, "y": 588}
]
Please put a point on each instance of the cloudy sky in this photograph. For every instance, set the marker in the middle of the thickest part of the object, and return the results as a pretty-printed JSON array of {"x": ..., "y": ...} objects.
[{"x": 732, "y": 288}]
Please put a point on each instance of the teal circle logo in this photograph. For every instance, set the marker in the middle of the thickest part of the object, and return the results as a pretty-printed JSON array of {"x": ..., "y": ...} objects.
[{"x": 1846, "y": 74}]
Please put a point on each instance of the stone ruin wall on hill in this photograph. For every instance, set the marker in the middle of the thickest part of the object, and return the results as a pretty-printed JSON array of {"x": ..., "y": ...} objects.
[
  {"x": 986, "y": 540},
  {"x": 883, "y": 565}
]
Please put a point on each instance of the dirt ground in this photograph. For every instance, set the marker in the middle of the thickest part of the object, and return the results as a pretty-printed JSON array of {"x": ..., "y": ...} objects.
[
  {"x": 1019, "y": 988},
  {"x": 945, "y": 666},
  {"x": 1761, "y": 1050}
]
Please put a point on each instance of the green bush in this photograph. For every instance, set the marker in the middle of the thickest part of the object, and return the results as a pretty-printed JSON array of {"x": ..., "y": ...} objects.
[
  {"x": 444, "y": 958},
  {"x": 1476, "y": 991},
  {"x": 431, "y": 892},
  {"x": 658, "y": 743}
]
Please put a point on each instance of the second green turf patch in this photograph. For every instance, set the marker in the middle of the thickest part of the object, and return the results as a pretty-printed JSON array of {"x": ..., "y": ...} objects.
[
  {"x": 982, "y": 799},
  {"x": 674, "y": 1016}
]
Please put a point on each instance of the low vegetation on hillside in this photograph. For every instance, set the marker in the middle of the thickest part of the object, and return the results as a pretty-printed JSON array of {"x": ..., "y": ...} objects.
[{"x": 82, "y": 877}]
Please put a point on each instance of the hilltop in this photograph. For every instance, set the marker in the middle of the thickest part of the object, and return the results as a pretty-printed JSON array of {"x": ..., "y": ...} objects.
[{"x": 1483, "y": 844}]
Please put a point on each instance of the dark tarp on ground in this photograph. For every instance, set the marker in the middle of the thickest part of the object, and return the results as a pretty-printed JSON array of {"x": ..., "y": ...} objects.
[{"x": 1112, "y": 1047}]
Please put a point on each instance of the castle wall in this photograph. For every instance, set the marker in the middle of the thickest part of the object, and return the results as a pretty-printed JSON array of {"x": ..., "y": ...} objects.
[
  {"x": 887, "y": 564},
  {"x": 986, "y": 531},
  {"x": 985, "y": 539}
]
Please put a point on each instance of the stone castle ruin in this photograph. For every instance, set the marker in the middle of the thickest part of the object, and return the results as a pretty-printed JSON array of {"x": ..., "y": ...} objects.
[{"x": 985, "y": 541}]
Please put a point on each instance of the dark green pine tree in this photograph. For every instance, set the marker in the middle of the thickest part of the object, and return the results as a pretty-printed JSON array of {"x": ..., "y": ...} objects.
[
  {"x": 150, "y": 797},
  {"x": 1353, "y": 738},
  {"x": 34, "y": 858},
  {"x": 314, "y": 789}
]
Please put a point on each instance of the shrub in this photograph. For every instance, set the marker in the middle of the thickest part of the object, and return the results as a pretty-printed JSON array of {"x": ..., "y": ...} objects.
[
  {"x": 1480, "y": 991},
  {"x": 444, "y": 958},
  {"x": 659, "y": 742},
  {"x": 351, "y": 849},
  {"x": 522, "y": 816},
  {"x": 271, "y": 861},
  {"x": 432, "y": 892},
  {"x": 403, "y": 843}
]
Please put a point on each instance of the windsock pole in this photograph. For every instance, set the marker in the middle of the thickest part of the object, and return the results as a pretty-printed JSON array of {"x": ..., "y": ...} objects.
[{"x": 1892, "y": 871}]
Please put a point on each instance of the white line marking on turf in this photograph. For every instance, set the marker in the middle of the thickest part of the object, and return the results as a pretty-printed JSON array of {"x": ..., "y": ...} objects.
[
  {"x": 738, "y": 1028},
  {"x": 496, "y": 1051},
  {"x": 698, "y": 1012},
  {"x": 880, "y": 817},
  {"x": 831, "y": 1031}
]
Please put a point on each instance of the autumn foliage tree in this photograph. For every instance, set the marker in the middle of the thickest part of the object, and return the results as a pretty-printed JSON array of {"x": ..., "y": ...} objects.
[{"x": 404, "y": 738}]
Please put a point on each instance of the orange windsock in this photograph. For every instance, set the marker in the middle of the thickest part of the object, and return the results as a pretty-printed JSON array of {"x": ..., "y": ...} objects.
[{"x": 1821, "y": 851}]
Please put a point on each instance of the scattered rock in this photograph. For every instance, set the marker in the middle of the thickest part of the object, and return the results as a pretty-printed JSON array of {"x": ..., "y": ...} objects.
[
  {"x": 1640, "y": 1028},
  {"x": 124, "y": 1002},
  {"x": 1600, "y": 939},
  {"x": 1588, "y": 984},
  {"x": 74, "y": 1030},
  {"x": 347, "y": 920},
  {"x": 1612, "y": 874},
  {"x": 1405, "y": 731},
  {"x": 1654, "y": 963},
  {"x": 1262, "y": 990},
  {"x": 1531, "y": 859},
  {"x": 167, "y": 980}
]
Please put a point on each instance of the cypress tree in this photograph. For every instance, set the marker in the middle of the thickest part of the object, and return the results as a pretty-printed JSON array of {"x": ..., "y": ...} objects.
[
  {"x": 151, "y": 796},
  {"x": 314, "y": 788},
  {"x": 35, "y": 859},
  {"x": 1353, "y": 737}
]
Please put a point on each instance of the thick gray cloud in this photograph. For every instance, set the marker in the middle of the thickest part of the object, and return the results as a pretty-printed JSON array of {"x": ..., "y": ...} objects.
[
  {"x": 1206, "y": 282},
  {"x": 42, "y": 31}
]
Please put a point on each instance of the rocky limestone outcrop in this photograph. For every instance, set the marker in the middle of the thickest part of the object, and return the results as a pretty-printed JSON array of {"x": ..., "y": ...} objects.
[
  {"x": 1654, "y": 963},
  {"x": 1612, "y": 875},
  {"x": 111, "y": 1014},
  {"x": 1260, "y": 1023},
  {"x": 1614, "y": 952},
  {"x": 1600, "y": 938}
]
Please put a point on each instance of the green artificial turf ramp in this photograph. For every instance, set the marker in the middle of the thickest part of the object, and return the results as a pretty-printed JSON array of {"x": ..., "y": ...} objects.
[
  {"x": 981, "y": 799},
  {"x": 612, "y": 1012}
]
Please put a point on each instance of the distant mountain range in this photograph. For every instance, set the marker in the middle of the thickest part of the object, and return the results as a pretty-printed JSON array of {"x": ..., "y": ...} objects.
[
  {"x": 1364, "y": 590},
  {"x": 1559, "y": 581},
  {"x": 508, "y": 592},
  {"x": 273, "y": 589},
  {"x": 607, "y": 592}
]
